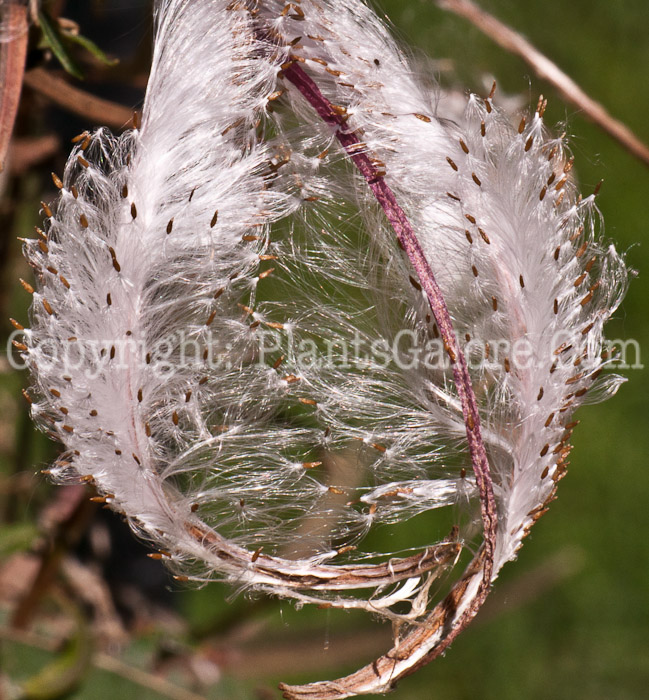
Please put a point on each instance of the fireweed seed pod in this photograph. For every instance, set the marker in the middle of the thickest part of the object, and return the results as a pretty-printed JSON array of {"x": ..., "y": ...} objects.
[{"x": 299, "y": 303}]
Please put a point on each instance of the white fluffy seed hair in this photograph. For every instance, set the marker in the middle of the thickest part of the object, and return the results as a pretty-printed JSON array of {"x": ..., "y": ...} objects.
[
  {"x": 155, "y": 238},
  {"x": 226, "y": 235},
  {"x": 527, "y": 279},
  {"x": 509, "y": 239},
  {"x": 144, "y": 342}
]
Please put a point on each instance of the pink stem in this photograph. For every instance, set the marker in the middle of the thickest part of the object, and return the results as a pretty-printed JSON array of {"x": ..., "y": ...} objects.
[{"x": 408, "y": 240}]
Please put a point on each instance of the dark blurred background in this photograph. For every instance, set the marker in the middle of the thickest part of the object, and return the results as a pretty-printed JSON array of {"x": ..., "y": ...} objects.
[{"x": 84, "y": 613}]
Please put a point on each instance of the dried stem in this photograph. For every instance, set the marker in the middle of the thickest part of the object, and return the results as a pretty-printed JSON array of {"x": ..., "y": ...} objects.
[
  {"x": 291, "y": 574},
  {"x": 80, "y": 102},
  {"x": 12, "y": 68},
  {"x": 67, "y": 534},
  {"x": 513, "y": 42},
  {"x": 428, "y": 641}
]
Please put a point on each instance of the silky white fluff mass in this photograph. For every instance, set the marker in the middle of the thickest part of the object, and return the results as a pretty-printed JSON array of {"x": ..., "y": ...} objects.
[
  {"x": 234, "y": 349},
  {"x": 155, "y": 238},
  {"x": 515, "y": 250}
]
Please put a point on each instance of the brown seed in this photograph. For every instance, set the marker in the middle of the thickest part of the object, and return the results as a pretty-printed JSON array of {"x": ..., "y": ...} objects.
[
  {"x": 586, "y": 299},
  {"x": 116, "y": 265},
  {"x": 451, "y": 163}
]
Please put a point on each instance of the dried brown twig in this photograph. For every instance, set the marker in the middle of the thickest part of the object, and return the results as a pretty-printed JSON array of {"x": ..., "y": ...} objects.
[
  {"x": 94, "y": 109},
  {"x": 513, "y": 42},
  {"x": 12, "y": 67}
]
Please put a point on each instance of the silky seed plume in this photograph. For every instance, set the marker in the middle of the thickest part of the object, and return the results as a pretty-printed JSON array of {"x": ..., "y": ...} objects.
[{"x": 301, "y": 302}]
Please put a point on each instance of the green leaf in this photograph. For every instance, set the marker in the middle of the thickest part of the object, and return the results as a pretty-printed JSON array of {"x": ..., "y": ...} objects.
[
  {"x": 60, "y": 677},
  {"x": 55, "y": 40},
  {"x": 92, "y": 48}
]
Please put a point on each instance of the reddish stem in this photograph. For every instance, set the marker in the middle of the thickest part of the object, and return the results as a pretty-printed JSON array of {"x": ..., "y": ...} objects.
[
  {"x": 12, "y": 67},
  {"x": 408, "y": 240}
]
